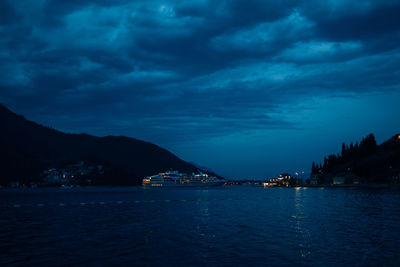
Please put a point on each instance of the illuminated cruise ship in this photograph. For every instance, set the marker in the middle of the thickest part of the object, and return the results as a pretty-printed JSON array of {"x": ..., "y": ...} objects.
[{"x": 174, "y": 178}]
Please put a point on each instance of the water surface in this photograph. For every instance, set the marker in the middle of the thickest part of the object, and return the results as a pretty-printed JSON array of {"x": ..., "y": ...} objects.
[{"x": 220, "y": 226}]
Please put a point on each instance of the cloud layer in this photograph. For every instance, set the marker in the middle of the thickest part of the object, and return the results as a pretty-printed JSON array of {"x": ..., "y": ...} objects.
[{"x": 169, "y": 71}]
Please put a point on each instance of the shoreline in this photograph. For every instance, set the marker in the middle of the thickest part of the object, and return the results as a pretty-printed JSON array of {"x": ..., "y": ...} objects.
[
  {"x": 352, "y": 185},
  {"x": 297, "y": 186}
]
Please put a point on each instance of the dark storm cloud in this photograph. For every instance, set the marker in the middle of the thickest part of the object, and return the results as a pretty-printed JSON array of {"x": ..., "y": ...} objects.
[
  {"x": 190, "y": 68},
  {"x": 8, "y": 15},
  {"x": 352, "y": 20}
]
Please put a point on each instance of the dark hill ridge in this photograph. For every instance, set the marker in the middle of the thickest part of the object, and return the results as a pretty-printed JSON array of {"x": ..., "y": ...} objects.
[
  {"x": 367, "y": 161},
  {"x": 27, "y": 148}
]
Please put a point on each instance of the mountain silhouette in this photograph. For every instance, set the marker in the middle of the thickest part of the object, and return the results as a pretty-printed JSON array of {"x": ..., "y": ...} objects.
[
  {"x": 28, "y": 148},
  {"x": 370, "y": 162}
]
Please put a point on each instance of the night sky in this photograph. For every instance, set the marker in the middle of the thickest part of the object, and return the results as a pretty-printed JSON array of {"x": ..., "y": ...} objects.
[{"x": 245, "y": 88}]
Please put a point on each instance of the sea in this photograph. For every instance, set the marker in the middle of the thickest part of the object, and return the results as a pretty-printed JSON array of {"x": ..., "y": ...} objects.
[{"x": 216, "y": 226}]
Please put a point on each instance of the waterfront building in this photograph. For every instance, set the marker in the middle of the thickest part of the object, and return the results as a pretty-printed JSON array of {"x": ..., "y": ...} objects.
[{"x": 339, "y": 180}]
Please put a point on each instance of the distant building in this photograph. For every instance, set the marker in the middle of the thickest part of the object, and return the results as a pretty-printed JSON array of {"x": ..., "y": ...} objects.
[
  {"x": 314, "y": 178},
  {"x": 71, "y": 174},
  {"x": 270, "y": 184},
  {"x": 14, "y": 184},
  {"x": 351, "y": 178},
  {"x": 339, "y": 180},
  {"x": 284, "y": 179}
]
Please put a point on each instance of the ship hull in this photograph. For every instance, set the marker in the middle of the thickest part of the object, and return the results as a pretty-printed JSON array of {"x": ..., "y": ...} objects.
[
  {"x": 181, "y": 185},
  {"x": 176, "y": 179}
]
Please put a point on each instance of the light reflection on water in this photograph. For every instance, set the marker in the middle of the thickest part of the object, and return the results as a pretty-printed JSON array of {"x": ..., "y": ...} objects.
[
  {"x": 302, "y": 233},
  {"x": 237, "y": 225}
]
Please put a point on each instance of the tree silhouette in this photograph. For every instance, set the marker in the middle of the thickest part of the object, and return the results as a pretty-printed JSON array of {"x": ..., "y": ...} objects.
[{"x": 365, "y": 159}]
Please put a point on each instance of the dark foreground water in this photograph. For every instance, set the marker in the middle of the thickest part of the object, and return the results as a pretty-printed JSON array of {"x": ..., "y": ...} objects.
[{"x": 222, "y": 226}]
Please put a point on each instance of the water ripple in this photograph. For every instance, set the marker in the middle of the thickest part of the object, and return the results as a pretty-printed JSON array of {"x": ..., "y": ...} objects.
[{"x": 193, "y": 227}]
